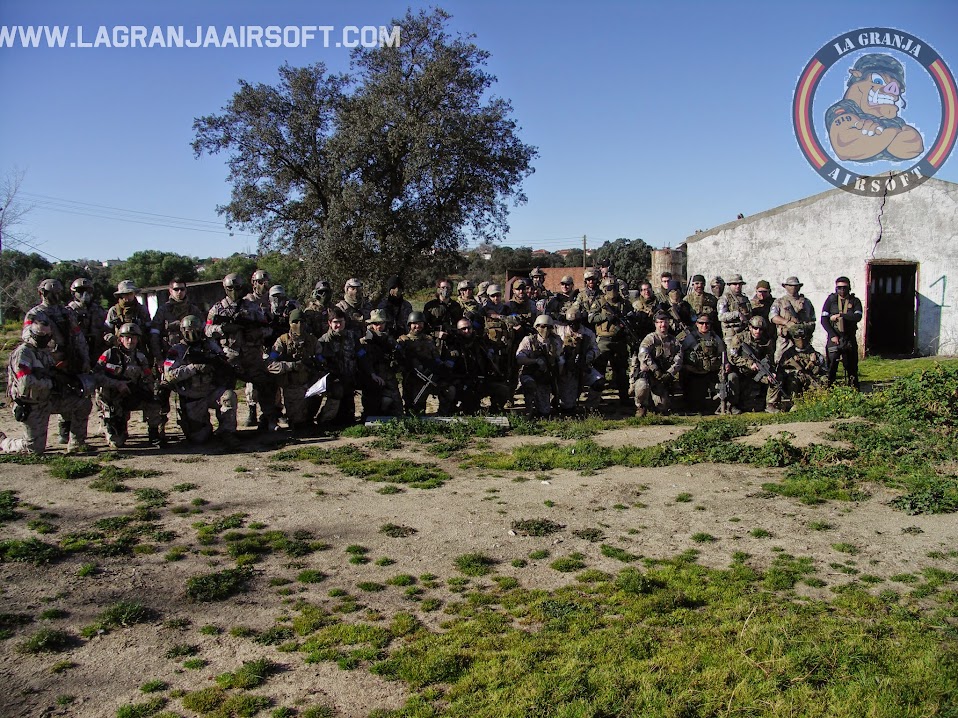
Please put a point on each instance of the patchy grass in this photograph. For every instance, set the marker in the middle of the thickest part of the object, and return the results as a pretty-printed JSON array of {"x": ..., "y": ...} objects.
[
  {"x": 251, "y": 674},
  {"x": 536, "y": 527},
  {"x": 397, "y": 530},
  {"x": 474, "y": 564},
  {"x": 31, "y": 550},
  {"x": 48, "y": 640},
  {"x": 219, "y": 585}
]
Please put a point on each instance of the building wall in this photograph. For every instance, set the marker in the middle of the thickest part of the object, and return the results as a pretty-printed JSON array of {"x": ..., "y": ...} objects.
[{"x": 835, "y": 233}]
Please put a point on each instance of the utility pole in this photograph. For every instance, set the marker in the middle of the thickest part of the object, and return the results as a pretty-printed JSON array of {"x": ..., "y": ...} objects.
[{"x": 584, "y": 265}]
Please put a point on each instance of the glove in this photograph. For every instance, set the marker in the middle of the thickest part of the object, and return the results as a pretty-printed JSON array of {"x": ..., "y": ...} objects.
[
  {"x": 204, "y": 368},
  {"x": 660, "y": 375},
  {"x": 541, "y": 363}
]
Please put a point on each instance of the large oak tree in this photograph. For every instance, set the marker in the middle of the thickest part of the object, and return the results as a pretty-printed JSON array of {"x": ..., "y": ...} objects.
[{"x": 406, "y": 158}]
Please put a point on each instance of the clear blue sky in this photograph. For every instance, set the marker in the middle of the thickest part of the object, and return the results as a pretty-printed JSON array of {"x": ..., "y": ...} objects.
[{"x": 652, "y": 120}]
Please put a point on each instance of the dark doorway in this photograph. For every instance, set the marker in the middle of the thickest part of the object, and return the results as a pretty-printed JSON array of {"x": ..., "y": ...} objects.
[{"x": 891, "y": 308}]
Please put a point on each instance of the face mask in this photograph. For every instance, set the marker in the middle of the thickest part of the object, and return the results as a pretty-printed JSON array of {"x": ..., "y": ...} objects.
[
  {"x": 86, "y": 297},
  {"x": 43, "y": 340},
  {"x": 127, "y": 301},
  {"x": 295, "y": 329},
  {"x": 444, "y": 292}
]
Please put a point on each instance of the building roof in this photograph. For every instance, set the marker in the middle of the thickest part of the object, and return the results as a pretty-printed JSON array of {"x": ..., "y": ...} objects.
[{"x": 785, "y": 208}]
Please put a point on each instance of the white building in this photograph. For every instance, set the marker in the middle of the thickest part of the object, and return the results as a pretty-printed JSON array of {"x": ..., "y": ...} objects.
[{"x": 900, "y": 252}]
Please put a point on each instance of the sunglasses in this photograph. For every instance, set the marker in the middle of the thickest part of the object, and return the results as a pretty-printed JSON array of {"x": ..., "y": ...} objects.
[
  {"x": 177, "y": 289},
  {"x": 842, "y": 286},
  {"x": 566, "y": 284}
]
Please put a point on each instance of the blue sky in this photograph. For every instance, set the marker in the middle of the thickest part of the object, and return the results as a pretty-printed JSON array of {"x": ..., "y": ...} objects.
[{"x": 652, "y": 120}]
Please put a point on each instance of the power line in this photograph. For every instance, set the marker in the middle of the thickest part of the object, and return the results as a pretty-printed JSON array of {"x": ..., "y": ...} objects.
[{"x": 89, "y": 209}]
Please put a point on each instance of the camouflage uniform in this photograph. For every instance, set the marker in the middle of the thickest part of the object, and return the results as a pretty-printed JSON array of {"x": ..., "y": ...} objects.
[
  {"x": 378, "y": 356},
  {"x": 734, "y": 311},
  {"x": 702, "y": 362},
  {"x": 356, "y": 316},
  {"x": 295, "y": 361},
  {"x": 654, "y": 369},
  {"x": 91, "y": 318},
  {"x": 419, "y": 353},
  {"x": 703, "y": 303},
  {"x": 241, "y": 328},
  {"x": 473, "y": 375},
  {"x": 579, "y": 350},
  {"x": 126, "y": 383},
  {"x": 441, "y": 316},
  {"x": 540, "y": 364},
  {"x": 607, "y": 318},
  {"x": 801, "y": 369},
  {"x": 199, "y": 374},
  {"x": 340, "y": 356},
  {"x": 796, "y": 311},
  {"x": 69, "y": 343},
  {"x": 133, "y": 313},
  {"x": 33, "y": 385},
  {"x": 165, "y": 333},
  {"x": 753, "y": 394}
]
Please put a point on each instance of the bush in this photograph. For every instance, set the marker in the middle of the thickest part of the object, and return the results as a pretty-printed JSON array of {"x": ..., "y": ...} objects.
[{"x": 929, "y": 396}]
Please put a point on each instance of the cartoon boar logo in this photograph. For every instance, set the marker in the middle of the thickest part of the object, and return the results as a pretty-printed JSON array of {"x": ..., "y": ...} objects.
[{"x": 865, "y": 126}]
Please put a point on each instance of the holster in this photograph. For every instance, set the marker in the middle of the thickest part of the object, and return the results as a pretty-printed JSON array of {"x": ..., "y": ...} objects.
[{"x": 21, "y": 410}]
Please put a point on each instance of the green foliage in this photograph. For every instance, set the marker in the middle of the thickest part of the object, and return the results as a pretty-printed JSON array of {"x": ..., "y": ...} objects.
[
  {"x": 927, "y": 397},
  {"x": 8, "y": 504},
  {"x": 48, "y": 640},
  {"x": 397, "y": 530},
  {"x": 702, "y": 537},
  {"x": 250, "y": 675},
  {"x": 64, "y": 467},
  {"x": 568, "y": 564},
  {"x": 311, "y": 575},
  {"x": 31, "y": 550},
  {"x": 936, "y": 496},
  {"x": 182, "y": 650},
  {"x": 299, "y": 153},
  {"x": 125, "y": 613},
  {"x": 474, "y": 564},
  {"x": 397, "y": 471},
  {"x": 619, "y": 554},
  {"x": 143, "y": 710},
  {"x": 536, "y": 527},
  {"x": 218, "y": 586},
  {"x": 152, "y": 268},
  {"x": 631, "y": 259}
]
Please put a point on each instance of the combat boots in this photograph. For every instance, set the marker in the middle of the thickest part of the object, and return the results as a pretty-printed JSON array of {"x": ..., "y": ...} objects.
[
  {"x": 156, "y": 437},
  {"x": 251, "y": 416}
]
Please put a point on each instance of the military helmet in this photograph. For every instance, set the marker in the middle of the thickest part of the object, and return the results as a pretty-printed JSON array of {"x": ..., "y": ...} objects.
[
  {"x": 717, "y": 281},
  {"x": 609, "y": 283},
  {"x": 878, "y": 62},
  {"x": 757, "y": 322},
  {"x": 127, "y": 286},
  {"x": 493, "y": 289},
  {"x": 260, "y": 275},
  {"x": 193, "y": 328},
  {"x": 39, "y": 326},
  {"x": 415, "y": 317},
  {"x": 233, "y": 281},
  {"x": 353, "y": 282},
  {"x": 543, "y": 320},
  {"x": 537, "y": 272},
  {"x": 590, "y": 274},
  {"x": 81, "y": 285},
  {"x": 50, "y": 285},
  {"x": 464, "y": 284},
  {"x": 567, "y": 279},
  {"x": 797, "y": 331},
  {"x": 277, "y": 290},
  {"x": 322, "y": 286},
  {"x": 574, "y": 313},
  {"x": 378, "y": 316},
  {"x": 130, "y": 330}
]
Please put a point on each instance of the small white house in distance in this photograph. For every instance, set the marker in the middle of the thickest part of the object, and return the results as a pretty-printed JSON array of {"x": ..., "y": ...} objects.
[{"x": 900, "y": 252}]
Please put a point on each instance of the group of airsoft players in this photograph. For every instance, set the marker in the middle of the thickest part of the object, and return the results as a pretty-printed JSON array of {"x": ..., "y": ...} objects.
[{"x": 720, "y": 350}]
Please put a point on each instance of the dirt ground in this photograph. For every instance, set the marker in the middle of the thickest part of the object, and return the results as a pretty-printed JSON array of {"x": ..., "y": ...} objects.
[{"x": 635, "y": 509}]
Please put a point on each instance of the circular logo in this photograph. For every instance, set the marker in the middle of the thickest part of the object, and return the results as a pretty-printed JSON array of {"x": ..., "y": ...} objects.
[{"x": 852, "y": 124}]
